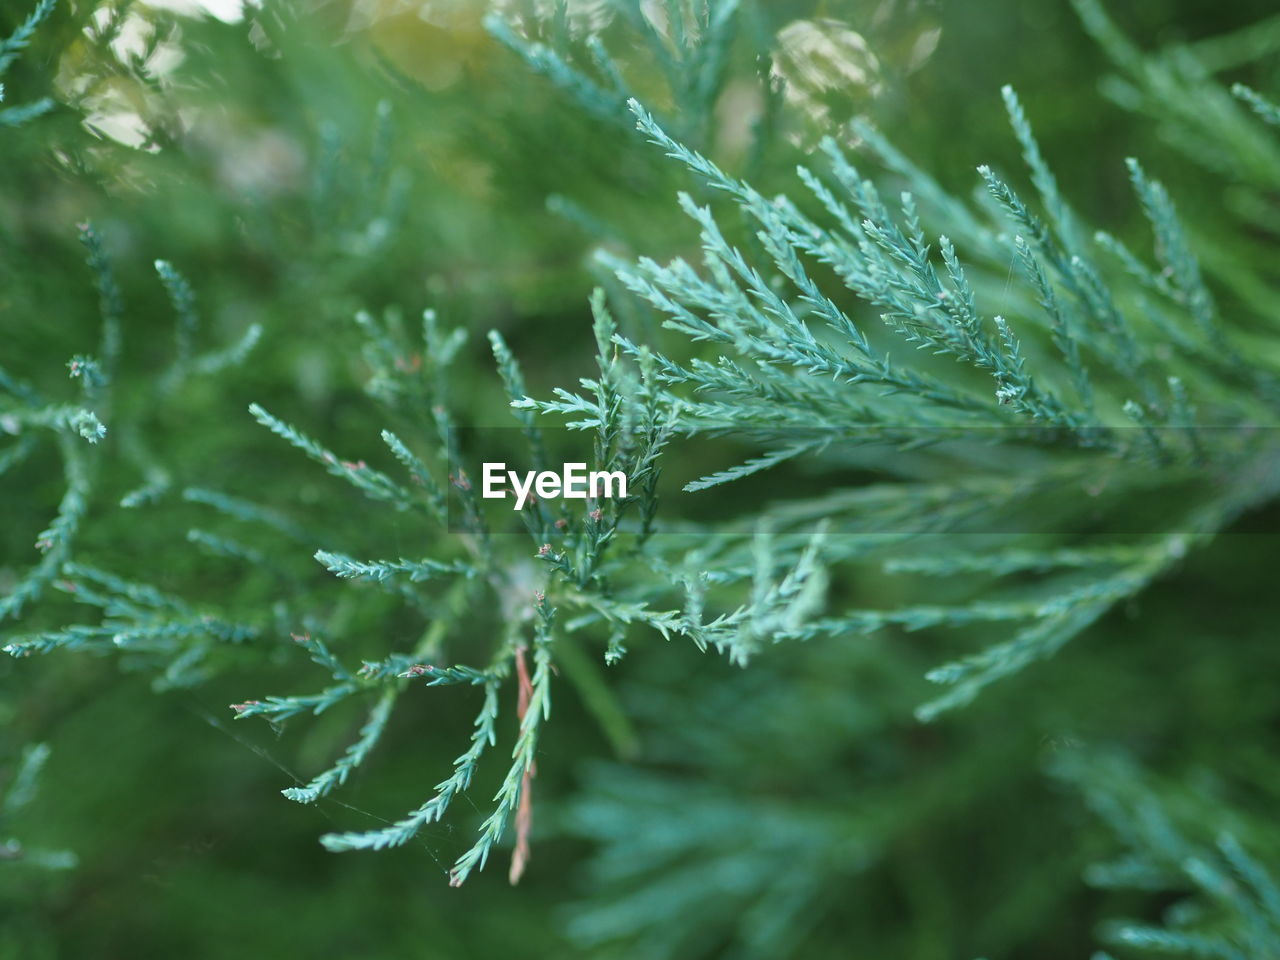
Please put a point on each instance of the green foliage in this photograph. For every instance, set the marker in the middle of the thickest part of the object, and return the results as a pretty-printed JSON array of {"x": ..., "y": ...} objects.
[
  {"x": 1231, "y": 902},
  {"x": 10, "y": 49},
  {"x": 772, "y": 379},
  {"x": 880, "y": 434},
  {"x": 20, "y": 794}
]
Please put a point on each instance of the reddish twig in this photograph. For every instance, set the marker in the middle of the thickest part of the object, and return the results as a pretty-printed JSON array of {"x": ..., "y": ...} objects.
[{"x": 524, "y": 812}]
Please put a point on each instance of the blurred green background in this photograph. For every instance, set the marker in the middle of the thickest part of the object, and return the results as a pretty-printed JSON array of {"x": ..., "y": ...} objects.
[{"x": 248, "y": 153}]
